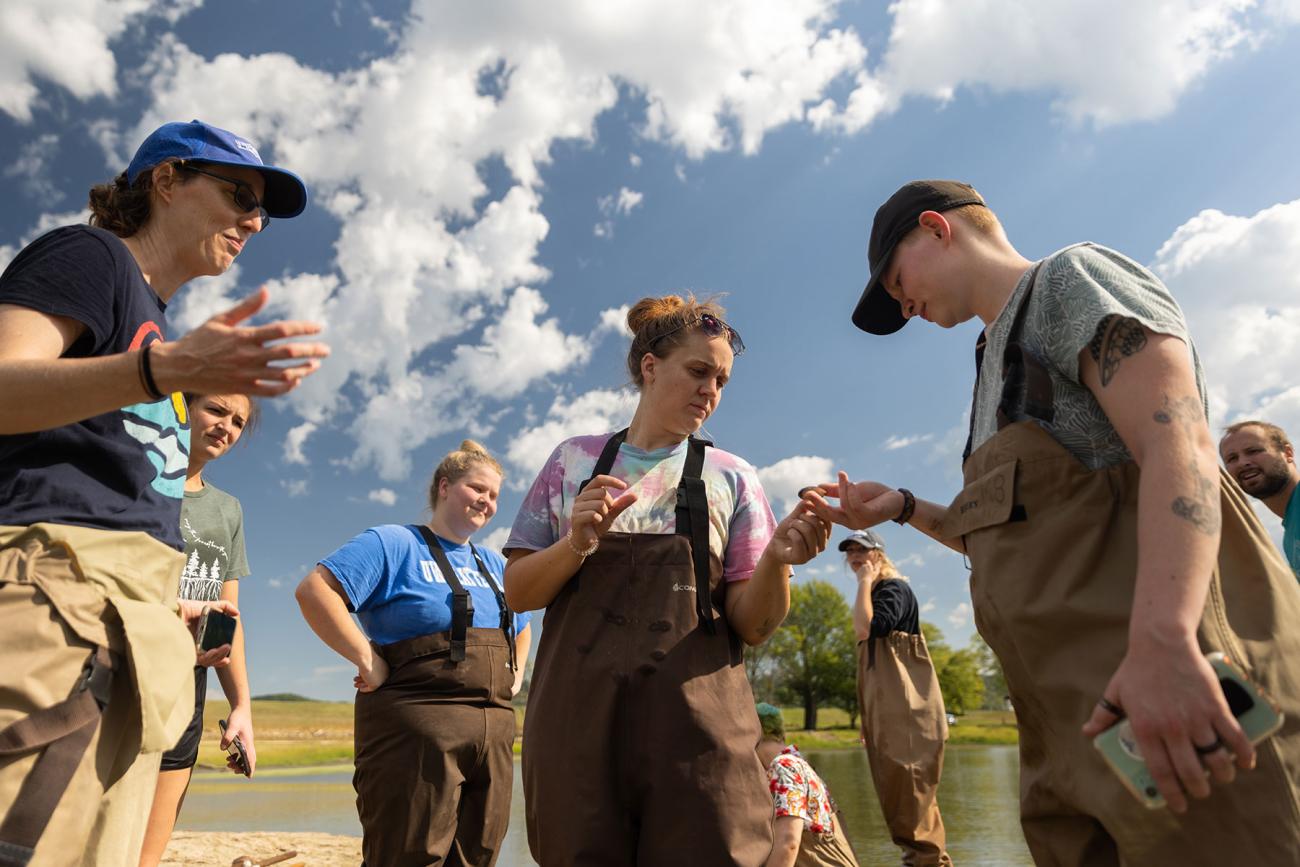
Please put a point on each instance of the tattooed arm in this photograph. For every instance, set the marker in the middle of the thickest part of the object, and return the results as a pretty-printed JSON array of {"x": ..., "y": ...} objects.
[{"x": 1145, "y": 384}]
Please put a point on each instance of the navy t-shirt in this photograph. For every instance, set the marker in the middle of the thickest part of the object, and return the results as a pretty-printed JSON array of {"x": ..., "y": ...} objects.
[
  {"x": 125, "y": 469},
  {"x": 397, "y": 590},
  {"x": 894, "y": 609}
]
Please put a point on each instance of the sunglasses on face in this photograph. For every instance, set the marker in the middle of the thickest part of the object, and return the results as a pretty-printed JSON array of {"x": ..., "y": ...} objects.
[
  {"x": 244, "y": 197},
  {"x": 713, "y": 327}
]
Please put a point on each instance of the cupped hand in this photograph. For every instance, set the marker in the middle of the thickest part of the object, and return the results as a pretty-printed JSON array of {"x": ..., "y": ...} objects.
[
  {"x": 801, "y": 536},
  {"x": 596, "y": 508},
  {"x": 191, "y": 610},
  {"x": 240, "y": 724},
  {"x": 1173, "y": 702},
  {"x": 371, "y": 678},
  {"x": 859, "y": 504},
  {"x": 223, "y": 357}
]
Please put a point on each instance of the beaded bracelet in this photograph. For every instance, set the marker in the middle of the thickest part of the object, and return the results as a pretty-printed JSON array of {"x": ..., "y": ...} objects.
[{"x": 582, "y": 552}]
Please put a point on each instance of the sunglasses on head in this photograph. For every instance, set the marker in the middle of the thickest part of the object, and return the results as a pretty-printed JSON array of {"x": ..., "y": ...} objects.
[
  {"x": 245, "y": 199},
  {"x": 713, "y": 327}
]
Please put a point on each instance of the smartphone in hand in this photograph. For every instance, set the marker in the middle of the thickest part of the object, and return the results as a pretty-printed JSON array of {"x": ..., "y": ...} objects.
[
  {"x": 215, "y": 629},
  {"x": 1256, "y": 713},
  {"x": 237, "y": 750}
]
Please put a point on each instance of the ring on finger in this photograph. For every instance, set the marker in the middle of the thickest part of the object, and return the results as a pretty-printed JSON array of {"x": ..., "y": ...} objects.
[
  {"x": 1209, "y": 748},
  {"x": 1110, "y": 706}
]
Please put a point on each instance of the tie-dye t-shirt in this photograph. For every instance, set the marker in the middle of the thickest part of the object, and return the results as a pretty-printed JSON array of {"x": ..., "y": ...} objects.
[{"x": 740, "y": 519}]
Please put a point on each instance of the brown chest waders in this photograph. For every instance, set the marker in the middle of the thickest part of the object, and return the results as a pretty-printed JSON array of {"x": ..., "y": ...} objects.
[
  {"x": 640, "y": 736},
  {"x": 434, "y": 744},
  {"x": 1053, "y": 553},
  {"x": 903, "y": 731},
  {"x": 61, "y": 734}
]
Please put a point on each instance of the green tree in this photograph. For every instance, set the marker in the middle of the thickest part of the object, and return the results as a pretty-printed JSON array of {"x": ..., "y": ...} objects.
[
  {"x": 958, "y": 671},
  {"x": 814, "y": 650},
  {"x": 995, "y": 682}
]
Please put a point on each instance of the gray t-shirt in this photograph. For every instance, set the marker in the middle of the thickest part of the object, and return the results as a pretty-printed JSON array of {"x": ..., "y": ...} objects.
[
  {"x": 212, "y": 527},
  {"x": 1076, "y": 288}
]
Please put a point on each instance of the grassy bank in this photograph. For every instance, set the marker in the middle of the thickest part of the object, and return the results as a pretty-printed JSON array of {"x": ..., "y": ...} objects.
[{"x": 296, "y": 734}]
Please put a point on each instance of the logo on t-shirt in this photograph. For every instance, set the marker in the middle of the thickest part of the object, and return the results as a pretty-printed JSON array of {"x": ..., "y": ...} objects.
[
  {"x": 206, "y": 567},
  {"x": 162, "y": 427},
  {"x": 468, "y": 577}
]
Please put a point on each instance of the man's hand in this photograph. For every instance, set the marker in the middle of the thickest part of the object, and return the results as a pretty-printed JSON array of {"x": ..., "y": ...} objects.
[
  {"x": 191, "y": 610},
  {"x": 1174, "y": 704},
  {"x": 240, "y": 724},
  {"x": 861, "y": 504},
  {"x": 221, "y": 356},
  {"x": 371, "y": 678}
]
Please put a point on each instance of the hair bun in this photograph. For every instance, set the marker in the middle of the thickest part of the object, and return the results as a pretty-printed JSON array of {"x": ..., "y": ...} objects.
[{"x": 649, "y": 312}]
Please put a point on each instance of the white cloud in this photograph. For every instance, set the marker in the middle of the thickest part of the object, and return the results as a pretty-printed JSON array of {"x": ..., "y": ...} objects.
[
  {"x": 783, "y": 479},
  {"x": 385, "y": 496},
  {"x": 294, "y": 440},
  {"x": 1107, "y": 62},
  {"x": 896, "y": 442},
  {"x": 594, "y": 412},
  {"x": 618, "y": 204},
  {"x": 275, "y": 583},
  {"x": 614, "y": 320},
  {"x": 960, "y": 615},
  {"x": 1238, "y": 281},
  {"x": 203, "y": 298},
  {"x": 928, "y": 606},
  {"x": 496, "y": 539},
  {"x": 295, "y": 487},
  {"x": 31, "y": 168},
  {"x": 634, "y": 161}
]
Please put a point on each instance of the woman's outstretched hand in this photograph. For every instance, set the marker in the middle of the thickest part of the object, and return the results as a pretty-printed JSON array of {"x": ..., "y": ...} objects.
[
  {"x": 801, "y": 536},
  {"x": 859, "y": 505}
]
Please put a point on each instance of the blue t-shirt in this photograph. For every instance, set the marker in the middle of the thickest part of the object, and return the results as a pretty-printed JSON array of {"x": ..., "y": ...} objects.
[
  {"x": 122, "y": 470},
  {"x": 1291, "y": 531},
  {"x": 397, "y": 590}
]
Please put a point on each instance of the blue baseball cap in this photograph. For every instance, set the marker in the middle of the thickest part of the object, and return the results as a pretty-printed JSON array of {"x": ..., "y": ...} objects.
[{"x": 286, "y": 194}]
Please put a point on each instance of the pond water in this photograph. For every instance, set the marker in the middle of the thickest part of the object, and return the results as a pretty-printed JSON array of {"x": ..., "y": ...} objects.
[{"x": 978, "y": 800}]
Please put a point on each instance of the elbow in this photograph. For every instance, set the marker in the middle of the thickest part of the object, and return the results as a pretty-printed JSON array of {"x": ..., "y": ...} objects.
[
  {"x": 516, "y": 598},
  {"x": 305, "y": 594}
]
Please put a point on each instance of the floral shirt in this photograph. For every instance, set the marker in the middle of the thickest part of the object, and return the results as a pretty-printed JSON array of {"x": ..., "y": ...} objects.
[{"x": 798, "y": 791}]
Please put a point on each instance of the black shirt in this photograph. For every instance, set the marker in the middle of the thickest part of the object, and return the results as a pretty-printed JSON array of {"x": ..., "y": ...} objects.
[
  {"x": 894, "y": 609},
  {"x": 125, "y": 469}
]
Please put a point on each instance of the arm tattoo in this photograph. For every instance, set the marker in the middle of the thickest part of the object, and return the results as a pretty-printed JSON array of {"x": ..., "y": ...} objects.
[
  {"x": 1186, "y": 411},
  {"x": 1117, "y": 338},
  {"x": 1201, "y": 510}
]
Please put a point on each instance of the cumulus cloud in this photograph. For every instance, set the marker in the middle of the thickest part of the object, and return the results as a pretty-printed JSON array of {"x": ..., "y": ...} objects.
[
  {"x": 595, "y": 411},
  {"x": 895, "y": 442},
  {"x": 1107, "y": 62},
  {"x": 960, "y": 615},
  {"x": 295, "y": 487},
  {"x": 295, "y": 439},
  {"x": 31, "y": 168},
  {"x": 496, "y": 539},
  {"x": 783, "y": 479},
  {"x": 618, "y": 204},
  {"x": 1238, "y": 280},
  {"x": 384, "y": 496},
  {"x": 43, "y": 224}
]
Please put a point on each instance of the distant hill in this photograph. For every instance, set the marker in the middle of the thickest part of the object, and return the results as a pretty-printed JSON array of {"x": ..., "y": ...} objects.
[{"x": 283, "y": 696}]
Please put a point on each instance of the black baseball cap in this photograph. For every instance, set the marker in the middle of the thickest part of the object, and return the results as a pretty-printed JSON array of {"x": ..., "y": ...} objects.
[{"x": 876, "y": 312}]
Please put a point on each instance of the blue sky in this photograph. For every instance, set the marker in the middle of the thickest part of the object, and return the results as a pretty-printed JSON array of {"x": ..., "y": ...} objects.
[{"x": 492, "y": 182}]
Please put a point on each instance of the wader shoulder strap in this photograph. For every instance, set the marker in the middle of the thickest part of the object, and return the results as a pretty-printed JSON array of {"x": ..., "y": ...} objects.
[
  {"x": 507, "y": 616},
  {"x": 64, "y": 731},
  {"x": 693, "y": 522},
  {"x": 1026, "y": 384},
  {"x": 605, "y": 462},
  {"x": 462, "y": 606}
]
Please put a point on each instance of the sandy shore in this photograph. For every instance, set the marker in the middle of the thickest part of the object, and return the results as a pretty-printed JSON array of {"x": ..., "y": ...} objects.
[{"x": 220, "y": 848}]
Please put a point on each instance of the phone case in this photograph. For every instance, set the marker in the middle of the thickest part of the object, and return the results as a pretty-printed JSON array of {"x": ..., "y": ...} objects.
[
  {"x": 1256, "y": 713},
  {"x": 239, "y": 749},
  {"x": 215, "y": 629}
]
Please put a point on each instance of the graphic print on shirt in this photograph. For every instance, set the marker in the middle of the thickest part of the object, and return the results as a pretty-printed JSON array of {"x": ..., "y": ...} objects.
[
  {"x": 205, "y": 568},
  {"x": 162, "y": 427},
  {"x": 469, "y": 577}
]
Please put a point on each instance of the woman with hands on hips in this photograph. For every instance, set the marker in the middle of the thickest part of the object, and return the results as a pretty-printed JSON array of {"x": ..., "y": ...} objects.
[
  {"x": 93, "y": 458},
  {"x": 657, "y": 558},
  {"x": 439, "y": 660}
]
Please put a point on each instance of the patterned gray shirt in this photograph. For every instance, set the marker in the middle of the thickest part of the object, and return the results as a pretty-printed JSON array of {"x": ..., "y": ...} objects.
[{"x": 1076, "y": 288}]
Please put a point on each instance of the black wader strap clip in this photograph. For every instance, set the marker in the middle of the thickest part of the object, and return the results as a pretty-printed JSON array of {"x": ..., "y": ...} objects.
[
  {"x": 462, "y": 607},
  {"x": 693, "y": 522},
  {"x": 507, "y": 616},
  {"x": 62, "y": 733}
]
